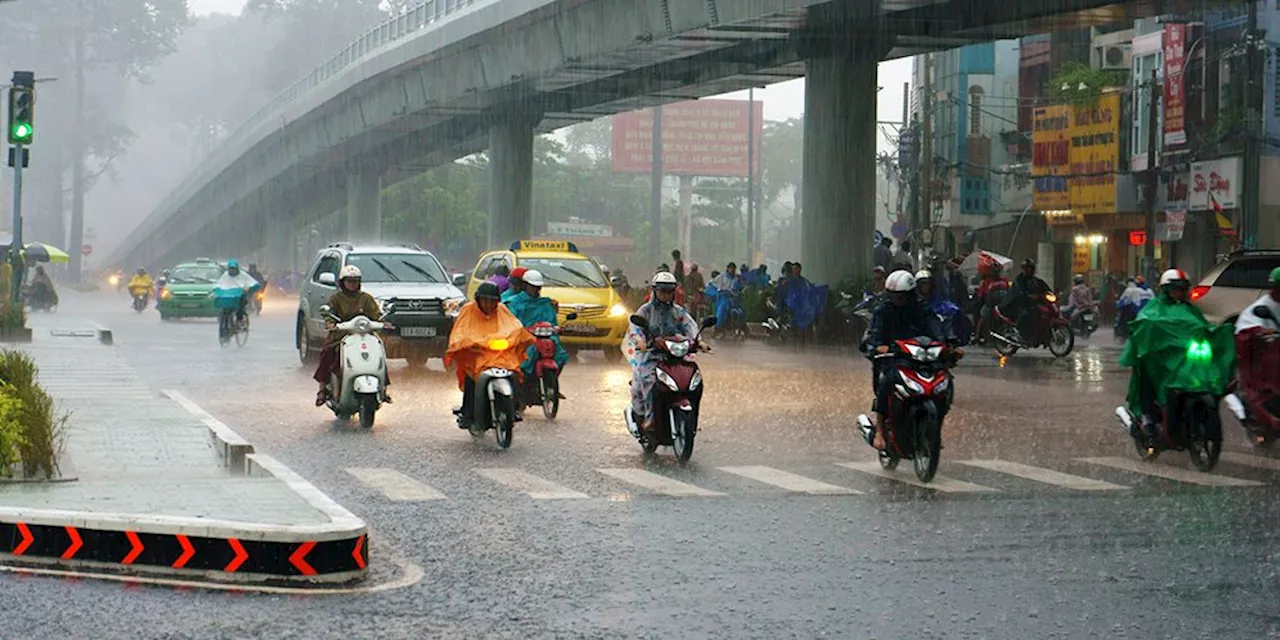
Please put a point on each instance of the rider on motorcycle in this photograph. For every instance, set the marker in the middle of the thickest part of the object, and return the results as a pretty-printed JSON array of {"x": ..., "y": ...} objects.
[
  {"x": 902, "y": 316},
  {"x": 1158, "y": 345},
  {"x": 346, "y": 303},
  {"x": 666, "y": 318},
  {"x": 1028, "y": 289},
  {"x": 1080, "y": 300},
  {"x": 255, "y": 274},
  {"x": 140, "y": 284},
  {"x": 1257, "y": 349},
  {"x": 531, "y": 308},
  {"x": 42, "y": 287},
  {"x": 478, "y": 322},
  {"x": 515, "y": 284}
]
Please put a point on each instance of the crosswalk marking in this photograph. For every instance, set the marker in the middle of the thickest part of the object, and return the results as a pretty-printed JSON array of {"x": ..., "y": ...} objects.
[
  {"x": 1171, "y": 473},
  {"x": 658, "y": 483},
  {"x": 939, "y": 482},
  {"x": 1257, "y": 462},
  {"x": 394, "y": 485},
  {"x": 788, "y": 481},
  {"x": 530, "y": 485},
  {"x": 1046, "y": 476}
]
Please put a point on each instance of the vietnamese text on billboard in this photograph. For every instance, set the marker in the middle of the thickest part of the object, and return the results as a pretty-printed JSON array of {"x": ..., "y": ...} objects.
[
  {"x": 1095, "y": 155},
  {"x": 1051, "y": 158},
  {"x": 699, "y": 138}
]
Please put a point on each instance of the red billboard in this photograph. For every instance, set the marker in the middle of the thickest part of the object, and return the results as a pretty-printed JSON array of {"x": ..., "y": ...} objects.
[
  {"x": 1175, "y": 56},
  {"x": 699, "y": 138}
]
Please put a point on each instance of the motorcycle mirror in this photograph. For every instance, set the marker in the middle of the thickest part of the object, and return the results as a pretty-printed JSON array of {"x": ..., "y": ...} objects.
[
  {"x": 708, "y": 322},
  {"x": 1263, "y": 312},
  {"x": 324, "y": 309},
  {"x": 640, "y": 321},
  {"x": 572, "y": 316}
]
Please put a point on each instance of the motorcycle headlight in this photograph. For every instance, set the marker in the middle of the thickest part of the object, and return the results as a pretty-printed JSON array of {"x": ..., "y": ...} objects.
[
  {"x": 618, "y": 310},
  {"x": 696, "y": 381},
  {"x": 1049, "y": 297},
  {"x": 943, "y": 385},
  {"x": 678, "y": 349},
  {"x": 934, "y": 353},
  {"x": 667, "y": 380},
  {"x": 453, "y": 306},
  {"x": 499, "y": 344},
  {"x": 911, "y": 384}
]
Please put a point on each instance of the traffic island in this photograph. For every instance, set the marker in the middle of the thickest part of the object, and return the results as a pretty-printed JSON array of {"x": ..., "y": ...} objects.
[{"x": 162, "y": 488}]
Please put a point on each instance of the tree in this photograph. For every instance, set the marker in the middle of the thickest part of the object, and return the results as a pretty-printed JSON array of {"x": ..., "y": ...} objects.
[
  {"x": 313, "y": 30},
  {"x": 590, "y": 142}
]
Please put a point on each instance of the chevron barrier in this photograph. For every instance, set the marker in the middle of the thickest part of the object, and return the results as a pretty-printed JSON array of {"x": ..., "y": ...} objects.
[{"x": 140, "y": 550}]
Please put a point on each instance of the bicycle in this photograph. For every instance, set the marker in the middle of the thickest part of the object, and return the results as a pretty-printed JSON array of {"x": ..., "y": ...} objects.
[{"x": 233, "y": 324}]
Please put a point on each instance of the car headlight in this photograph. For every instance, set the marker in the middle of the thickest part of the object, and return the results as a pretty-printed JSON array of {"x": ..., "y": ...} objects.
[
  {"x": 667, "y": 380},
  {"x": 618, "y": 310},
  {"x": 165, "y": 293},
  {"x": 453, "y": 306}
]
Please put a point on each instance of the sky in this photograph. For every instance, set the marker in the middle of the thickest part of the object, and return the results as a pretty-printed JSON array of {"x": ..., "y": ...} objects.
[{"x": 781, "y": 101}]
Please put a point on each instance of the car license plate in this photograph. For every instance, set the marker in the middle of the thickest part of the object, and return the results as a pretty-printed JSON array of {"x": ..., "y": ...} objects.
[
  {"x": 418, "y": 332},
  {"x": 580, "y": 328}
]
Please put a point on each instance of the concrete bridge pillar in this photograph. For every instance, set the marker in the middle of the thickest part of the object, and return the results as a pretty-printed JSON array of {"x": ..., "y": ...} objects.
[
  {"x": 281, "y": 245},
  {"x": 364, "y": 206},
  {"x": 511, "y": 178},
  {"x": 839, "y": 183}
]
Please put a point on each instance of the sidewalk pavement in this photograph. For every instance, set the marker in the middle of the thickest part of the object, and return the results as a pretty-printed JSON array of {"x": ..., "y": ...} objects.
[{"x": 154, "y": 484}]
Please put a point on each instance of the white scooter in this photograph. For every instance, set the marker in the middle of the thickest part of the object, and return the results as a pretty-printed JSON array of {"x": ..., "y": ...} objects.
[{"x": 363, "y": 370}]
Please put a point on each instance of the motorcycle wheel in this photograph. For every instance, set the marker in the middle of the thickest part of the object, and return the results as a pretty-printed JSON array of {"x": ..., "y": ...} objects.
[
  {"x": 683, "y": 430},
  {"x": 1203, "y": 446},
  {"x": 550, "y": 394},
  {"x": 928, "y": 447},
  {"x": 648, "y": 445},
  {"x": 1005, "y": 349},
  {"x": 368, "y": 410},
  {"x": 1061, "y": 340},
  {"x": 888, "y": 461},
  {"x": 503, "y": 420}
]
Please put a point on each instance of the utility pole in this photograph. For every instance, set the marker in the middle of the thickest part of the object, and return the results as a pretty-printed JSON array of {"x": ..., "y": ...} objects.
[
  {"x": 908, "y": 134},
  {"x": 21, "y": 132},
  {"x": 750, "y": 173},
  {"x": 655, "y": 192},
  {"x": 924, "y": 213},
  {"x": 1254, "y": 129},
  {"x": 1153, "y": 178}
]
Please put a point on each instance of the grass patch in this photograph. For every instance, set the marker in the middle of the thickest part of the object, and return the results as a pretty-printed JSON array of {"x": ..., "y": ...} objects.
[{"x": 31, "y": 432}]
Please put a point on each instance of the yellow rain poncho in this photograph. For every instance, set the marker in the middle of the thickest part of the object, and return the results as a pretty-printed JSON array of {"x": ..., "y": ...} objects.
[{"x": 472, "y": 341}]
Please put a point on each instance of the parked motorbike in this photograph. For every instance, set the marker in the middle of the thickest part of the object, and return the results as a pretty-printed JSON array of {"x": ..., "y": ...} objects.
[
  {"x": 776, "y": 325},
  {"x": 1189, "y": 421},
  {"x": 543, "y": 387},
  {"x": 856, "y": 315},
  {"x": 495, "y": 400},
  {"x": 677, "y": 394},
  {"x": 922, "y": 396},
  {"x": 1258, "y": 409},
  {"x": 356, "y": 387},
  {"x": 1051, "y": 329}
]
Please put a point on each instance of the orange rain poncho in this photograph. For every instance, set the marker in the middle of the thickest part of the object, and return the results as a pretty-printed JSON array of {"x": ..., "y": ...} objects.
[{"x": 472, "y": 332}]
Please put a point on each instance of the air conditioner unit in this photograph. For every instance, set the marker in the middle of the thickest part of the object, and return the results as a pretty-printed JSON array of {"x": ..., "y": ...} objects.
[{"x": 1116, "y": 57}]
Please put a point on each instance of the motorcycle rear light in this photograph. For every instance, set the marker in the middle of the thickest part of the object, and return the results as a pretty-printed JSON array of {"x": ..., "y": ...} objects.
[{"x": 1199, "y": 292}]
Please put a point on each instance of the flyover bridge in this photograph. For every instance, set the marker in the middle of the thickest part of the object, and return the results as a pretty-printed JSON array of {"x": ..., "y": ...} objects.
[{"x": 452, "y": 77}]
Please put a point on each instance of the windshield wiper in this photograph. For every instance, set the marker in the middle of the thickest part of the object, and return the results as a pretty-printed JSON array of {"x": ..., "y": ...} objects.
[
  {"x": 584, "y": 277},
  {"x": 385, "y": 268},
  {"x": 425, "y": 274},
  {"x": 555, "y": 282}
]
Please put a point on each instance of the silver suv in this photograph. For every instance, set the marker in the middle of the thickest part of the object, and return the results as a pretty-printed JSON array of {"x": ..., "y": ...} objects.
[{"x": 412, "y": 288}]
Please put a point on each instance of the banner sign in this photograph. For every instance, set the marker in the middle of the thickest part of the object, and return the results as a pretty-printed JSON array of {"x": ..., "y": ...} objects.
[
  {"x": 1051, "y": 158},
  {"x": 699, "y": 138},
  {"x": 1175, "y": 56}
]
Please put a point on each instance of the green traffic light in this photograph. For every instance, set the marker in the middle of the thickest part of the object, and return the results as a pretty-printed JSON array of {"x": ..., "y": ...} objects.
[{"x": 22, "y": 131}]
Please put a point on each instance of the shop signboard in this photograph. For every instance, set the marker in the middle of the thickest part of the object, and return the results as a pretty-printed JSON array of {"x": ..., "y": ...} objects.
[
  {"x": 1219, "y": 177},
  {"x": 1051, "y": 158},
  {"x": 1094, "y": 133}
]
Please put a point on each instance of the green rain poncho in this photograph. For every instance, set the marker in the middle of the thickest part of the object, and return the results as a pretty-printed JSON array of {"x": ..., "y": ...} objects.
[{"x": 1172, "y": 346}]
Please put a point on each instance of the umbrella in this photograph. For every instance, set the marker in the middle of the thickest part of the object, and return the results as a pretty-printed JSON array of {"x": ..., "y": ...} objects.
[
  {"x": 969, "y": 266},
  {"x": 41, "y": 252}
]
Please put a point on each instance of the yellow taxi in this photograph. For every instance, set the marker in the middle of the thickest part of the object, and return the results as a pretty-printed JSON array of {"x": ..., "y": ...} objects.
[{"x": 574, "y": 281}]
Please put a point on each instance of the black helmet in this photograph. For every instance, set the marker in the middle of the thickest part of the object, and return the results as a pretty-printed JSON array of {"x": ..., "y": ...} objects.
[
  {"x": 1028, "y": 263},
  {"x": 488, "y": 290}
]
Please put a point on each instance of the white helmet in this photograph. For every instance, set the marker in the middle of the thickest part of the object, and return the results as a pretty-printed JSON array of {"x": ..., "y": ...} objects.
[
  {"x": 533, "y": 278},
  {"x": 1174, "y": 275},
  {"x": 349, "y": 272},
  {"x": 661, "y": 280},
  {"x": 900, "y": 281},
  {"x": 924, "y": 274}
]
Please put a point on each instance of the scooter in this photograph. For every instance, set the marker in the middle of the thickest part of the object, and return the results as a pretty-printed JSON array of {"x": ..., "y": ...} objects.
[
  {"x": 356, "y": 387},
  {"x": 1085, "y": 324},
  {"x": 1258, "y": 409},
  {"x": 1189, "y": 421},
  {"x": 140, "y": 300},
  {"x": 256, "y": 301},
  {"x": 543, "y": 387},
  {"x": 923, "y": 390},
  {"x": 677, "y": 392},
  {"x": 495, "y": 400}
]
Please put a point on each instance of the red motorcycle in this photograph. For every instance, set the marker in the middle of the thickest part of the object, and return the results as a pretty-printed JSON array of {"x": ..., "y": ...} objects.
[
  {"x": 1051, "y": 329},
  {"x": 543, "y": 387},
  {"x": 677, "y": 393},
  {"x": 1255, "y": 393},
  {"x": 922, "y": 396}
]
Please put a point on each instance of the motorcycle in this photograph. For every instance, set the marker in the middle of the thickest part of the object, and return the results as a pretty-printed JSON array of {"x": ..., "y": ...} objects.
[
  {"x": 677, "y": 393},
  {"x": 140, "y": 298},
  {"x": 495, "y": 401},
  {"x": 1051, "y": 329},
  {"x": 778, "y": 331},
  {"x": 1258, "y": 409},
  {"x": 255, "y": 302},
  {"x": 356, "y": 387},
  {"x": 543, "y": 387},
  {"x": 856, "y": 315},
  {"x": 1189, "y": 421},
  {"x": 1085, "y": 323},
  {"x": 922, "y": 396}
]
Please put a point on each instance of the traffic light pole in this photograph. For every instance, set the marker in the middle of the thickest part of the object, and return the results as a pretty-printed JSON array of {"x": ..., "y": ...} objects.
[{"x": 18, "y": 159}]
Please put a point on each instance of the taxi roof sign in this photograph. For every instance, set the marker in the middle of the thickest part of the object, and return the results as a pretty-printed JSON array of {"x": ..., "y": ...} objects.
[{"x": 544, "y": 245}]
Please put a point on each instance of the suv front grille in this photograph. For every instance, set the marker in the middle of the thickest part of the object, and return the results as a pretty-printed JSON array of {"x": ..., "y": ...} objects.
[
  {"x": 585, "y": 312},
  {"x": 429, "y": 307}
]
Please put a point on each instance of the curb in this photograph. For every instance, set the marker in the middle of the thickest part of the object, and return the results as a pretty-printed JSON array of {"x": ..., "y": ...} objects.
[{"x": 219, "y": 550}]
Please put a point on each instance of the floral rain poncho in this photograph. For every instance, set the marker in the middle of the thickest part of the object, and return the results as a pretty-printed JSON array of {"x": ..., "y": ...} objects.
[{"x": 664, "y": 320}]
